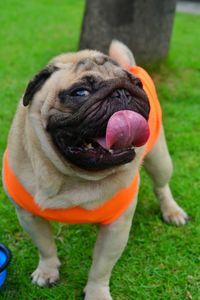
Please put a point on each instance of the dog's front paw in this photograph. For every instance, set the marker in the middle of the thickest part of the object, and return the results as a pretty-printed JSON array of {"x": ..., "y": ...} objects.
[
  {"x": 97, "y": 292},
  {"x": 175, "y": 215},
  {"x": 47, "y": 272}
]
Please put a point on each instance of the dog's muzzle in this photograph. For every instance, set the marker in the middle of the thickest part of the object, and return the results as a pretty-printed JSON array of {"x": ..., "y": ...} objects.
[{"x": 105, "y": 129}]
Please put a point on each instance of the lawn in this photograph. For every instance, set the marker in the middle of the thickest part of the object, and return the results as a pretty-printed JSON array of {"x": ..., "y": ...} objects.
[{"x": 160, "y": 261}]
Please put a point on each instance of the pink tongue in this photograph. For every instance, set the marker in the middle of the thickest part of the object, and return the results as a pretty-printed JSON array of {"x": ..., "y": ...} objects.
[{"x": 125, "y": 128}]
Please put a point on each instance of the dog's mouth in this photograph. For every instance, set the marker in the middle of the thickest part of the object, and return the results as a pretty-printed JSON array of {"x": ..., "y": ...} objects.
[
  {"x": 92, "y": 156},
  {"x": 101, "y": 135},
  {"x": 125, "y": 130}
]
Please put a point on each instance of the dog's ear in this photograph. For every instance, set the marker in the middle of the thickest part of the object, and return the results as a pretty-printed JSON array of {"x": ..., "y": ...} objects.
[
  {"x": 37, "y": 82},
  {"x": 121, "y": 54}
]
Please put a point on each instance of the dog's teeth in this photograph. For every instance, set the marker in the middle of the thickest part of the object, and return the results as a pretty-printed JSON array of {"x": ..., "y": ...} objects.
[{"x": 88, "y": 146}]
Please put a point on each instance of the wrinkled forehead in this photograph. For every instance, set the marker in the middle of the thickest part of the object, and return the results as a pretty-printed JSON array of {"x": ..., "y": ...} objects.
[
  {"x": 87, "y": 64},
  {"x": 100, "y": 64}
]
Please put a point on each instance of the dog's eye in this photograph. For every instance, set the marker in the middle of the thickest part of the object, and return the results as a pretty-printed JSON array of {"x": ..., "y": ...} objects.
[{"x": 80, "y": 92}]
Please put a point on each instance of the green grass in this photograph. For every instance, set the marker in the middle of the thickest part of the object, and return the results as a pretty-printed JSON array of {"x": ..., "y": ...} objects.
[{"x": 160, "y": 261}]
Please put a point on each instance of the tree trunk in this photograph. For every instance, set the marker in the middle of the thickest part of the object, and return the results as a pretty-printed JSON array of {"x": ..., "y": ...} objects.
[{"x": 143, "y": 25}]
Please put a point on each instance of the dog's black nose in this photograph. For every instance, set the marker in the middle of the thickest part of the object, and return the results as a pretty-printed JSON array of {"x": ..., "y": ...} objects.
[{"x": 120, "y": 93}]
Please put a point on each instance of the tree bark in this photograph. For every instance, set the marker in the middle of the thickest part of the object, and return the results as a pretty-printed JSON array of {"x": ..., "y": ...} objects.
[{"x": 143, "y": 25}]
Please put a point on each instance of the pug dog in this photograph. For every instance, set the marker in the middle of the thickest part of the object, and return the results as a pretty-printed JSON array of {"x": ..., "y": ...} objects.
[{"x": 79, "y": 136}]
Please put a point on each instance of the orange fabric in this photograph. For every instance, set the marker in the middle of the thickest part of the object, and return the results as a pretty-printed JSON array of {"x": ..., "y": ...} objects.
[
  {"x": 155, "y": 116},
  {"x": 114, "y": 207},
  {"x": 105, "y": 214}
]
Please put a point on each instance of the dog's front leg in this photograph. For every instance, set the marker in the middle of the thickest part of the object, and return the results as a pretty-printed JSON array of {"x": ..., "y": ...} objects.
[
  {"x": 47, "y": 272},
  {"x": 159, "y": 166},
  {"x": 109, "y": 246}
]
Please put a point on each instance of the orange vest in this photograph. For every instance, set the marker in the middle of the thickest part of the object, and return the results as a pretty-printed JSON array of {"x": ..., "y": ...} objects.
[{"x": 111, "y": 209}]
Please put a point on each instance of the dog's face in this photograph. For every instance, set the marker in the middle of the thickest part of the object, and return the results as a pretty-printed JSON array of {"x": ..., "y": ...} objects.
[{"x": 94, "y": 111}]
